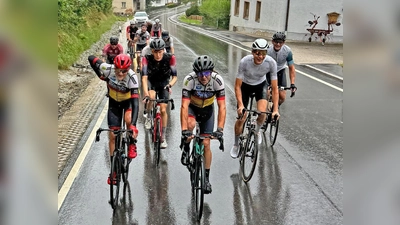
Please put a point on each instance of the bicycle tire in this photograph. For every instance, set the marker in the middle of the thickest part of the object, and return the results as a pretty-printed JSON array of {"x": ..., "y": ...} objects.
[
  {"x": 200, "y": 173},
  {"x": 125, "y": 162},
  {"x": 250, "y": 155},
  {"x": 157, "y": 142},
  {"x": 114, "y": 188},
  {"x": 273, "y": 132}
]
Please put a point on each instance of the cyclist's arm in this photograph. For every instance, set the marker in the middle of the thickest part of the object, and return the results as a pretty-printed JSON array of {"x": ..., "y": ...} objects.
[
  {"x": 220, "y": 95},
  {"x": 238, "y": 92},
  {"x": 172, "y": 64},
  {"x": 144, "y": 77},
  {"x": 292, "y": 71},
  {"x": 274, "y": 85},
  {"x": 186, "y": 88},
  {"x": 172, "y": 45},
  {"x": 128, "y": 33},
  {"x": 95, "y": 63},
  {"x": 135, "y": 105}
]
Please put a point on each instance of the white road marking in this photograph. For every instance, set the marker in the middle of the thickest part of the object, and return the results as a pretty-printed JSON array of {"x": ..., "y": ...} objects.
[
  {"x": 77, "y": 165},
  {"x": 321, "y": 81},
  {"x": 323, "y": 71}
]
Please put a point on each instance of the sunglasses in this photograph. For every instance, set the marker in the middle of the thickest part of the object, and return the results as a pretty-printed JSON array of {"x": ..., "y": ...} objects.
[
  {"x": 121, "y": 71},
  {"x": 260, "y": 53},
  {"x": 278, "y": 42},
  {"x": 206, "y": 73}
]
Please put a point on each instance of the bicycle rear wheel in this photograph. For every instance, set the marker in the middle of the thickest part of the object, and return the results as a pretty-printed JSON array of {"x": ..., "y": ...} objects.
[
  {"x": 157, "y": 142},
  {"x": 248, "y": 161},
  {"x": 200, "y": 174},
  {"x": 273, "y": 131},
  {"x": 114, "y": 186}
]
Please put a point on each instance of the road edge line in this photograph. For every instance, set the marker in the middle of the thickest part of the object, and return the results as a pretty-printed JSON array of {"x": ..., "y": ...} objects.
[{"x": 322, "y": 71}]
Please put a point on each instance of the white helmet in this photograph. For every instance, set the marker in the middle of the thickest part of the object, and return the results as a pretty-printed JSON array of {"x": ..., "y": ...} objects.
[
  {"x": 260, "y": 44},
  {"x": 157, "y": 20}
]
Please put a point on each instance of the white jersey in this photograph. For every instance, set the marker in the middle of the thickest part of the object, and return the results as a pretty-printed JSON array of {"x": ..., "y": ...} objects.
[{"x": 253, "y": 74}]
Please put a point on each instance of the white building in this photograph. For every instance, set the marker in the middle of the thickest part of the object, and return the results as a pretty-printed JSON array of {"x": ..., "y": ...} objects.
[
  {"x": 288, "y": 16},
  {"x": 162, "y": 2}
]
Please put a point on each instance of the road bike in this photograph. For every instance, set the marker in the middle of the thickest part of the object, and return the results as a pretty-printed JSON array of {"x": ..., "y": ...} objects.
[
  {"x": 156, "y": 125},
  {"x": 131, "y": 50},
  {"x": 273, "y": 123},
  {"x": 248, "y": 143},
  {"x": 197, "y": 169},
  {"x": 120, "y": 162}
]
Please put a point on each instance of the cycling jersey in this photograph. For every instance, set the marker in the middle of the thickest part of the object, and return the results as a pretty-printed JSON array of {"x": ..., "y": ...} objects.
[
  {"x": 120, "y": 90},
  {"x": 203, "y": 95},
  {"x": 253, "y": 74},
  {"x": 142, "y": 37},
  {"x": 110, "y": 52},
  {"x": 283, "y": 56},
  {"x": 159, "y": 72},
  {"x": 169, "y": 42},
  {"x": 131, "y": 31}
]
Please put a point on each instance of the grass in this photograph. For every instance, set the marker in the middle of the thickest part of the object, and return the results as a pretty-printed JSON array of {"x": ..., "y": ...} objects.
[
  {"x": 184, "y": 19},
  {"x": 71, "y": 45}
]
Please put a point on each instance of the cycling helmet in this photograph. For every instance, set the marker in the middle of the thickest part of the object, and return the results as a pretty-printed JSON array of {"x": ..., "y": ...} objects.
[
  {"x": 132, "y": 22},
  {"x": 157, "y": 44},
  {"x": 157, "y": 20},
  {"x": 122, "y": 61},
  {"x": 165, "y": 33},
  {"x": 279, "y": 36},
  {"x": 260, "y": 44},
  {"x": 113, "y": 40},
  {"x": 203, "y": 62}
]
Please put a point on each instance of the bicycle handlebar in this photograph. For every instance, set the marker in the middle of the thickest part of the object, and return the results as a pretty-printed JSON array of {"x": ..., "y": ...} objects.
[
  {"x": 221, "y": 140},
  {"x": 116, "y": 132},
  {"x": 163, "y": 101},
  {"x": 281, "y": 88}
]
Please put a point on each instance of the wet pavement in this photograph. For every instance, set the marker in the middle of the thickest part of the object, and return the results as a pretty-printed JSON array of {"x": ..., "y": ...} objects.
[{"x": 298, "y": 181}]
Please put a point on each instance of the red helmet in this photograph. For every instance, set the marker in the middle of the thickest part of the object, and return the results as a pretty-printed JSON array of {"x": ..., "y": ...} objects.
[{"x": 122, "y": 61}]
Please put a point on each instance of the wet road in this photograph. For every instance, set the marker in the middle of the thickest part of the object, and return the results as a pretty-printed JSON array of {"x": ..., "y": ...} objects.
[{"x": 298, "y": 181}]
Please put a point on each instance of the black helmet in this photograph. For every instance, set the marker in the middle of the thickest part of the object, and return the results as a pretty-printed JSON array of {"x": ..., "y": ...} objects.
[
  {"x": 203, "y": 62},
  {"x": 279, "y": 36},
  {"x": 157, "y": 44},
  {"x": 113, "y": 40},
  {"x": 165, "y": 33}
]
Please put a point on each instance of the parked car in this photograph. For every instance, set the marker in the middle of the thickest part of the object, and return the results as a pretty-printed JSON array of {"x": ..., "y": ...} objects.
[{"x": 140, "y": 17}]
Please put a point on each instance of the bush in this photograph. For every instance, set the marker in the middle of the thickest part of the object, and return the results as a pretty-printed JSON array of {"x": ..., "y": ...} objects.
[{"x": 193, "y": 10}]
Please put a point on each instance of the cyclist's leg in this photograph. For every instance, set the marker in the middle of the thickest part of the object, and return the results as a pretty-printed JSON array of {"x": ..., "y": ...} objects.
[
  {"x": 261, "y": 98},
  {"x": 114, "y": 122},
  {"x": 186, "y": 147},
  {"x": 282, "y": 83},
  {"x": 163, "y": 94},
  {"x": 246, "y": 89}
]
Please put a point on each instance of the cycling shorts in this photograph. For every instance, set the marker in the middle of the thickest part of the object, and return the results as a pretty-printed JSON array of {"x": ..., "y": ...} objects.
[
  {"x": 281, "y": 78},
  {"x": 160, "y": 90},
  {"x": 260, "y": 91},
  {"x": 139, "y": 47},
  {"x": 114, "y": 116},
  {"x": 204, "y": 116}
]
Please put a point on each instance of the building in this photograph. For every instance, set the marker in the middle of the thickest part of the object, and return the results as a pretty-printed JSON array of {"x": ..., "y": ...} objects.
[
  {"x": 157, "y": 3},
  {"x": 287, "y": 16},
  {"x": 128, "y": 6}
]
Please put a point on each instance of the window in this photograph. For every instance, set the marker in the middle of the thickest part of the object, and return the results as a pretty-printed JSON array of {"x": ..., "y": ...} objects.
[
  {"x": 237, "y": 5},
  {"x": 246, "y": 10},
  {"x": 123, "y": 5},
  {"x": 258, "y": 11}
]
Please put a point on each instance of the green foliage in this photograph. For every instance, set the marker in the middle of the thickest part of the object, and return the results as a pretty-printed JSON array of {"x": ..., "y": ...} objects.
[
  {"x": 184, "y": 19},
  {"x": 216, "y": 12},
  {"x": 193, "y": 10}
]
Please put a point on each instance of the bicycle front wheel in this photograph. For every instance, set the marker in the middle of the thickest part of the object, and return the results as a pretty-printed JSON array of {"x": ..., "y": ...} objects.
[
  {"x": 273, "y": 131},
  {"x": 199, "y": 181},
  {"x": 157, "y": 142},
  {"x": 125, "y": 163},
  {"x": 115, "y": 180},
  {"x": 248, "y": 161}
]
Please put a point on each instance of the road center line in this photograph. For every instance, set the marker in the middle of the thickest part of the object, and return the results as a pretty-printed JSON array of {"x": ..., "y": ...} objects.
[{"x": 79, "y": 161}]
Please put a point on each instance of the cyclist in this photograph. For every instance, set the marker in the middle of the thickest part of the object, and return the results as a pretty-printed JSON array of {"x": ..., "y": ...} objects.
[
  {"x": 111, "y": 50},
  {"x": 123, "y": 86},
  {"x": 156, "y": 29},
  {"x": 251, "y": 78},
  {"x": 169, "y": 42},
  {"x": 130, "y": 35},
  {"x": 142, "y": 39},
  {"x": 283, "y": 55},
  {"x": 200, "y": 88},
  {"x": 157, "y": 70},
  {"x": 149, "y": 25}
]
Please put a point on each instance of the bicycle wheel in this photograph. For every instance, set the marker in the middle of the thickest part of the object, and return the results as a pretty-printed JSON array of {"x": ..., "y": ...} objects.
[
  {"x": 249, "y": 157},
  {"x": 125, "y": 162},
  {"x": 200, "y": 173},
  {"x": 157, "y": 143},
  {"x": 273, "y": 131},
  {"x": 114, "y": 188}
]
